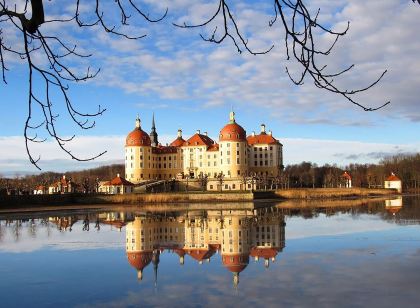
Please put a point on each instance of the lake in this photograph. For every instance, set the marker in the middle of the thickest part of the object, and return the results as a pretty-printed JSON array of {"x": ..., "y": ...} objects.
[{"x": 252, "y": 255}]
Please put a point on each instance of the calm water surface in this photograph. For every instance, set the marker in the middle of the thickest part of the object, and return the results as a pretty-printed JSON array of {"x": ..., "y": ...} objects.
[{"x": 366, "y": 255}]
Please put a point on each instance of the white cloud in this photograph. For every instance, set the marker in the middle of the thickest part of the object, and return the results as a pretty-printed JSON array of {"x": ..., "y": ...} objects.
[{"x": 14, "y": 160}]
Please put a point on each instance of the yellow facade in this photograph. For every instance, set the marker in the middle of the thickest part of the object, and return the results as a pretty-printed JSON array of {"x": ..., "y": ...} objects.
[
  {"x": 236, "y": 235},
  {"x": 234, "y": 157}
]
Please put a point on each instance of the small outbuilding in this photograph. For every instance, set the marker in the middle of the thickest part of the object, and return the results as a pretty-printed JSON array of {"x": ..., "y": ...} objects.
[
  {"x": 393, "y": 182},
  {"x": 116, "y": 186},
  {"x": 62, "y": 186},
  {"x": 346, "y": 180}
]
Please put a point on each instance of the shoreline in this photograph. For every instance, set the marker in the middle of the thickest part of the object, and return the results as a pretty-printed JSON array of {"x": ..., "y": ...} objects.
[{"x": 26, "y": 203}]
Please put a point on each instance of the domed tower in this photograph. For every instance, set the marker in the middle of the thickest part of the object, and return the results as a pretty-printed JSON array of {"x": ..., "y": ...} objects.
[
  {"x": 233, "y": 149},
  {"x": 235, "y": 243},
  {"x": 137, "y": 155},
  {"x": 139, "y": 248}
]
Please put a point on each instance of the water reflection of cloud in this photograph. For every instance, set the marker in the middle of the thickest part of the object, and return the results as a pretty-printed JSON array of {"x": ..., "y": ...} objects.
[
  {"x": 298, "y": 227},
  {"x": 51, "y": 238},
  {"x": 350, "y": 278}
]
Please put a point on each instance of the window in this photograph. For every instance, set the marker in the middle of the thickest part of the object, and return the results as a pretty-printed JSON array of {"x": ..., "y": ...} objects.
[
  {"x": 228, "y": 152},
  {"x": 237, "y": 161},
  {"x": 228, "y": 145},
  {"x": 226, "y": 187},
  {"x": 141, "y": 157},
  {"x": 239, "y": 172},
  {"x": 237, "y": 153},
  {"x": 233, "y": 187},
  {"x": 211, "y": 187}
]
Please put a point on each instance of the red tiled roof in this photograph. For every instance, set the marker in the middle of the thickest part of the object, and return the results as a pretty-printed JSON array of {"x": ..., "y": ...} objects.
[
  {"x": 232, "y": 132},
  {"x": 393, "y": 177},
  {"x": 261, "y": 139},
  {"x": 178, "y": 142},
  {"x": 235, "y": 263},
  {"x": 164, "y": 150},
  {"x": 138, "y": 137},
  {"x": 213, "y": 148},
  {"x": 199, "y": 139},
  {"x": 139, "y": 260},
  {"x": 266, "y": 253},
  {"x": 346, "y": 176},
  {"x": 200, "y": 254},
  {"x": 120, "y": 181}
]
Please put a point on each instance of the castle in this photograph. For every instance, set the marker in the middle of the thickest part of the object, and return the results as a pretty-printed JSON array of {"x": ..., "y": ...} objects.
[{"x": 234, "y": 157}]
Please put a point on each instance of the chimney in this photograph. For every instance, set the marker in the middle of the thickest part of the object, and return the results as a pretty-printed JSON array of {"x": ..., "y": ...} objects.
[
  {"x": 179, "y": 133},
  {"x": 205, "y": 134},
  {"x": 118, "y": 175},
  {"x": 253, "y": 134},
  {"x": 262, "y": 128},
  {"x": 198, "y": 131},
  {"x": 64, "y": 176},
  {"x": 270, "y": 133}
]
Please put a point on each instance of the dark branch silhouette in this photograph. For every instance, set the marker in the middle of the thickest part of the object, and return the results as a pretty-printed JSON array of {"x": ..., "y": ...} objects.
[
  {"x": 57, "y": 73},
  {"x": 292, "y": 15}
]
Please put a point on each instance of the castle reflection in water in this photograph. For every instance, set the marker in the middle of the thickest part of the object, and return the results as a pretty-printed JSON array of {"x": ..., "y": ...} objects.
[{"x": 237, "y": 235}]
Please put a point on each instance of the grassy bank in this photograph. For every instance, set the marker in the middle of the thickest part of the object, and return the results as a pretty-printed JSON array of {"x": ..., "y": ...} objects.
[
  {"x": 325, "y": 193},
  {"x": 11, "y": 202}
]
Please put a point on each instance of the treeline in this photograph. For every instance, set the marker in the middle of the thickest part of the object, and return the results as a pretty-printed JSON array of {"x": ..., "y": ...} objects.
[
  {"x": 306, "y": 174},
  {"x": 86, "y": 179}
]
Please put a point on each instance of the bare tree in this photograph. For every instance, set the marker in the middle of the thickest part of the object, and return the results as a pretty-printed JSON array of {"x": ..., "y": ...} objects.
[{"x": 293, "y": 16}]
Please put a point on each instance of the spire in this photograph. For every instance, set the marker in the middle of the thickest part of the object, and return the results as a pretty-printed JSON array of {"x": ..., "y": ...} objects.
[
  {"x": 235, "y": 279},
  {"x": 138, "y": 121},
  {"x": 153, "y": 134},
  {"x": 232, "y": 117},
  {"x": 262, "y": 128},
  {"x": 155, "y": 261}
]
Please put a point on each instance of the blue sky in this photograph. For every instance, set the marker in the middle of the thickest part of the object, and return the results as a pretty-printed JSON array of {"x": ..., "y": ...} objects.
[{"x": 192, "y": 84}]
